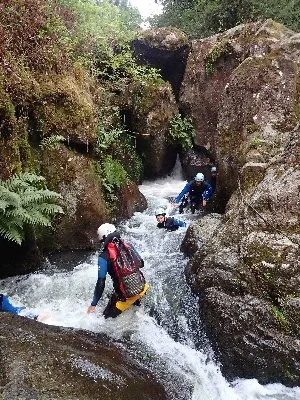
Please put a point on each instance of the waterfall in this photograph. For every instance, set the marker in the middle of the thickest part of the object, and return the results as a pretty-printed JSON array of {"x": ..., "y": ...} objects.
[{"x": 164, "y": 334}]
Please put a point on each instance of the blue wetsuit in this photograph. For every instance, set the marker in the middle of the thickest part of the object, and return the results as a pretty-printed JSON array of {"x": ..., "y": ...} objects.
[
  {"x": 196, "y": 192},
  {"x": 6, "y": 306}
]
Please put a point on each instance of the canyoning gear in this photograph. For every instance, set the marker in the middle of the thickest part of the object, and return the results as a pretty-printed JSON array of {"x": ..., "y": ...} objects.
[
  {"x": 213, "y": 169},
  {"x": 124, "y": 282},
  {"x": 134, "y": 300},
  {"x": 104, "y": 230},
  {"x": 199, "y": 177},
  {"x": 171, "y": 224},
  {"x": 160, "y": 211},
  {"x": 195, "y": 192},
  {"x": 6, "y": 306},
  {"x": 127, "y": 266}
]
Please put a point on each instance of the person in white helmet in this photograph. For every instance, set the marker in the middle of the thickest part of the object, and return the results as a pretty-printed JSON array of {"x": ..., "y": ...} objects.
[
  {"x": 196, "y": 193},
  {"x": 213, "y": 179},
  {"x": 107, "y": 264},
  {"x": 168, "y": 223}
]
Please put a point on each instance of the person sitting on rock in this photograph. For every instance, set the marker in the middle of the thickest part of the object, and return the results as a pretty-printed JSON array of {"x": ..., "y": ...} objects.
[
  {"x": 196, "y": 193},
  {"x": 168, "y": 223}
]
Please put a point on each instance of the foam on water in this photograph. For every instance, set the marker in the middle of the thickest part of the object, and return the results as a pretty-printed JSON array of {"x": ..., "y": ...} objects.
[{"x": 161, "y": 334}]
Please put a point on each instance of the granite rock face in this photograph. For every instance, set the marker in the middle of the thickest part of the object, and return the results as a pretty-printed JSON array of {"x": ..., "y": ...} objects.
[
  {"x": 46, "y": 362},
  {"x": 247, "y": 273}
]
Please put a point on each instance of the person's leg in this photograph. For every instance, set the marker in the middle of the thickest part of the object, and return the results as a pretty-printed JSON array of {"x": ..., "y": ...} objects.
[
  {"x": 183, "y": 204},
  {"x": 111, "y": 310}
]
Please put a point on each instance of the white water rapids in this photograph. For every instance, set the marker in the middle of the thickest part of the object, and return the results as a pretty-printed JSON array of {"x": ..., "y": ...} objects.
[{"x": 163, "y": 334}]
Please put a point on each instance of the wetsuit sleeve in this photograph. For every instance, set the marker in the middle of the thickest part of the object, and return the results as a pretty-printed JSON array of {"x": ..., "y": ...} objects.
[
  {"x": 206, "y": 195},
  {"x": 179, "y": 223},
  {"x": 8, "y": 307},
  {"x": 183, "y": 192},
  {"x": 100, "y": 284}
]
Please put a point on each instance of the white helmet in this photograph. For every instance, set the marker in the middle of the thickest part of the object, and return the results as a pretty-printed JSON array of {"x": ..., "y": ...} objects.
[
  {"x": 199, "y": 177},
  {"x": 104, "y": 230},
  {"x": 160, "y": 211},
  {"x": 213, "y": 169}
]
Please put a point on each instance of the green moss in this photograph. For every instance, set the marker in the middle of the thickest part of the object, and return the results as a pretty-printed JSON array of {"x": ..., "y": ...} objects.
[
  {"x": 255, "y": 142},
  {"x": 282, "y": 320},
  {"x": 215, "y": 53},
  {"x": 145, "y": 98}
]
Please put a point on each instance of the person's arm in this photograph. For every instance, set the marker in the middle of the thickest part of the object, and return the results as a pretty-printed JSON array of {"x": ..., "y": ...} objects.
[
  {"x": 100, "y": 284},
  {"x": 179, "y": 223},
  {"x": 206, "y": 195},
  {"x": 8, "y": 307},
  {"x": 183, "y": 192}
]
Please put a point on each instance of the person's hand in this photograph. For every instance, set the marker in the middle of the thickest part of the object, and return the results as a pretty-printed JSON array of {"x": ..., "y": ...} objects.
[
  {"x": 175, "y": 205},
  {"x": 203, "y": 203},
  {"x": 91, "y": 309}
]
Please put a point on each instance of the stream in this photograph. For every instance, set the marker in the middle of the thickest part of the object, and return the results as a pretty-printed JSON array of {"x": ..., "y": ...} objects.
[{"x": 164, "y": 334}]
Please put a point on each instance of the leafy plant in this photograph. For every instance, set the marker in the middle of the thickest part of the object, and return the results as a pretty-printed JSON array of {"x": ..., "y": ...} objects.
[
  {"x": 106, "y": 138},
  {"x": 114, "y": 175},
  {"x": 24, "y": 200},
  {"x": 52, "y": 142},
  {"x": 255, "y": 142},
  {"x": 181, "y": 131}
]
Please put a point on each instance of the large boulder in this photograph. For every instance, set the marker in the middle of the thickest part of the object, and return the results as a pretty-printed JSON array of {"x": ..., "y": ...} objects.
[
  {"x": 247, "y": 274},
  {"x": 165, "y": 49},
  {"x": 46, "y": 362},
  {"x": 153, "y": 108},
  {"x": 211, "y": 62}
]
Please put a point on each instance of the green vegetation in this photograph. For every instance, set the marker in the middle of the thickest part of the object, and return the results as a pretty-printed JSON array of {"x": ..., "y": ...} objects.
[
  {"x": 280, "y": 317},
  {"x": 25, "y": 201},
  {"x": 52, "y": 142},
  {"x": 117, "y": 143},
  {"x": 255, "y": 142},
  {"x": 181, "y": 131},
  {"x": 202, "y": 18},
  {"x": 114, "y": 174},
  {"x": 217, "y": 51}
]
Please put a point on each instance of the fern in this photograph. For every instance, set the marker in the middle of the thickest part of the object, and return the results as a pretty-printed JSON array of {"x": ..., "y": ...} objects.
[
  {"x": 52, "y": 142},
  {"x": 24, "y": 200}
]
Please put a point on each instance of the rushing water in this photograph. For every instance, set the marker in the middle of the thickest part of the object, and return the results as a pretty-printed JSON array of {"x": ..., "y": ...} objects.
[{"x": 164, "y": 334}]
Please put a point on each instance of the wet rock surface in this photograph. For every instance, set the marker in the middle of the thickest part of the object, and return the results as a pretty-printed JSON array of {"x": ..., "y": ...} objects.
[
  {"x": 247, "y": 273},
  {"x": 46, "y": 362}
]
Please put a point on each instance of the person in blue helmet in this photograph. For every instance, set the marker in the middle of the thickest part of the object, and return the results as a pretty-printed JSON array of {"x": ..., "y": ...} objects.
[
  {"x": 196, "y": 193},
  {"x": 168, "y": 223},
  {"x": 6, "y": 306}
]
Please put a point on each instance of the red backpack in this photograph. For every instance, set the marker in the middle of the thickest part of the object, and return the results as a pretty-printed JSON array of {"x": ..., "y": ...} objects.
[{"x": 127, "y": 266}]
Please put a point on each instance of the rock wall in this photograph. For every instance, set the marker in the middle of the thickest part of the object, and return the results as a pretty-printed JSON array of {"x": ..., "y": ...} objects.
[{"x": 247, "y": 273}]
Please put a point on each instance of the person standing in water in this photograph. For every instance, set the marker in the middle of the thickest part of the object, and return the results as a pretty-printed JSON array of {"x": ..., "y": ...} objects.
[
  {"x": 122, "y": 262},
  {"x": 196, "y": 193}
]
